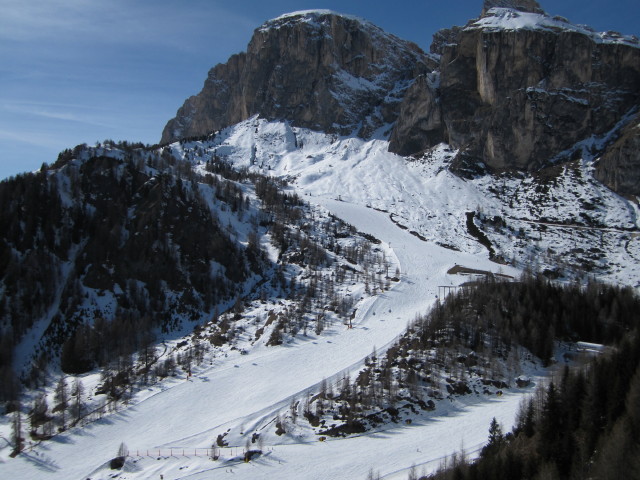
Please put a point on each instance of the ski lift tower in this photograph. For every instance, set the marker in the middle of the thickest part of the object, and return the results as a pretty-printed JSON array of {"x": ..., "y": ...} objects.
[{"x": 445, "y": 290}]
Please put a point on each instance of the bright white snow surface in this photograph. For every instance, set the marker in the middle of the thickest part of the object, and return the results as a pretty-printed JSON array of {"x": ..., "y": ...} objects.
[
  {"x": 424, "y": 196},
  {"x": 509, "y": 19},
  {"x": 358, "y": 171},
  {"x": 241, "y": 394},
  {"x": 312, "y": 13},
  {"x": 309, "y": 16},
  {"x": 246, "y": 391}
]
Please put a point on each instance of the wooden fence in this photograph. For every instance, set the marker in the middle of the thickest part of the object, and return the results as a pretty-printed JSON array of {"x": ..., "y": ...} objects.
[{"x": 214, "y": 453}]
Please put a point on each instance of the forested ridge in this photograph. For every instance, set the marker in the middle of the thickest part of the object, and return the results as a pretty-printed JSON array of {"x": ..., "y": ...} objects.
[
  {"x": 111, "y": 242},
  {"x": 584, "y": 424},
  {"x": 116, "y": 243},
  {"x": 474, "y": 342}
]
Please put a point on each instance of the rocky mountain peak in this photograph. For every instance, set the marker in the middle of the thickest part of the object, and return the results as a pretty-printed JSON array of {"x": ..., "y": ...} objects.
[
  {"x": 522, "y": 5},
  {"x": 312, "y": 18},
  {"x": 317, "y": 69},
  {"x": 522, "y": 90}
]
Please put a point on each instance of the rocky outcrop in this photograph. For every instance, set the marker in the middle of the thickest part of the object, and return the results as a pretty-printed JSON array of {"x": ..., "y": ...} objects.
[
  {"x": 619, "y": 167},
  {"x": 521, "y": 5},
  {"x": 450, "y": 35},
  {"x": 420, "y": 124},
  {"x": 317, "y": 69},
  {"x": 518, "y": 90},
  {"x": 443, "y": 38},
  {"x": 513, "y": 89}
]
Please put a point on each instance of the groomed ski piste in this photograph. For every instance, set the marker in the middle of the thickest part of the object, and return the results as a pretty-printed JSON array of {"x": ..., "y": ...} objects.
[
  {"x": 249, "y": 389},
  {"x": 167, "y": 431}
]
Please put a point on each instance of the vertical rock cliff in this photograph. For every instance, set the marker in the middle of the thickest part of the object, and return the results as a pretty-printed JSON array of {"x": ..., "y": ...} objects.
[
  {"x": 317, "y": 69},
  {"x": 519, "y": 89},
  {"x": 513, "y": 89},
  {"x": 619, "y": 167}
]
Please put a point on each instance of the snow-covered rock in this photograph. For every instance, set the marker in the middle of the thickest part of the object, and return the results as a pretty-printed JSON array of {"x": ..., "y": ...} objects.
[
  {"x": 561, "y": 220},
  {"x": 519, "y": 89},
  {"x": 315, "y": 68}
]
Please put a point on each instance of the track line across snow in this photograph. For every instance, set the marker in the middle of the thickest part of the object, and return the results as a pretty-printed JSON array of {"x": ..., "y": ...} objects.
[{"x": 245, "y": 390}]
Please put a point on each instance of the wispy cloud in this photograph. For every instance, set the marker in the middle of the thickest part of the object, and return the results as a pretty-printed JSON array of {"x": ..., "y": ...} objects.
[
  {"x": 57, "y": 111},
  {"x": 32, "y": 19},
  {"x": 162, "y": 23},
  {"x": 35, "y": 104},
  {"x": 35, "y": 138},
  {"x": 74, "y": 71}
]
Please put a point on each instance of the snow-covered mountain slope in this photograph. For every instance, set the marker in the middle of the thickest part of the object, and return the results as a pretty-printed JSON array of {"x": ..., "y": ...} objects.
[
  {"x": 242, "y": 392},
  {"x": 561, "y": 219},
  {"x": 428, "y": 220},
  {"x": 157, "y": 240}
]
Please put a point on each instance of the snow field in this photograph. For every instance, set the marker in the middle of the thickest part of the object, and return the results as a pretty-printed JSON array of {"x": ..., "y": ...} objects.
[
  {"x": 391, "y": 452},
  {"x": 498, "y": 19},
  {"x": 360, "y": 182},
  {"x": 425, "y": 197},
  {"x": 248, "y": 389}
]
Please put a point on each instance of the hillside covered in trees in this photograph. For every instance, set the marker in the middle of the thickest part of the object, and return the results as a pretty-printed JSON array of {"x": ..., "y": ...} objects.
[
  {"x": 583, "y": 424},
  {"x": 476, "y": 342},
  {"x": 116, "y": 246}
]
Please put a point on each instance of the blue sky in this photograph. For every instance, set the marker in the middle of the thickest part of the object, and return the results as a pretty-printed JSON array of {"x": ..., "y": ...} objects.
[{"x": 76, "y": 71}]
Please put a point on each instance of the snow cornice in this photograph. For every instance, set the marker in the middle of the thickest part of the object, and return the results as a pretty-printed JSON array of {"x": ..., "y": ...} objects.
[
  {"x": 309, "y": 17},
  {"x": 508, "y": 19}
]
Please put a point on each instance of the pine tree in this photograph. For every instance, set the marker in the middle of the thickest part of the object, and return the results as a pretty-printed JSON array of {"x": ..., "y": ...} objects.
[
  {"x": 77, "y": 392},
  {"x": 61, "y": 398},
  {"x": 373, "y": 475},
  {"x": 39, "y": 416},
  {"x": 16, "y": 432},
  {"x": 293, "y": 408},
  {"x": 551, "y": 425},
  {"x": 525, "y": 418},
  {"x": 123, "y": 451},
  {"x": 496, "y": 439},
  {"x": 413, "y": 473}
]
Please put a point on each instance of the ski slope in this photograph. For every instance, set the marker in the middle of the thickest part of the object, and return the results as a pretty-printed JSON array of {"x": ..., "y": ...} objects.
[
  {"x": 243, "y": 393},
  {"x": 238, "y": 395},
  {"x": 425, "y": 196}
]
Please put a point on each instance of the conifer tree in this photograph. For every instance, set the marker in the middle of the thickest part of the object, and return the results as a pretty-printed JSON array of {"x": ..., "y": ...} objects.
[
  {"x": 123, "y": 451},
  {"x": 16, "y": 432},
  {"x": 77, "y": 392},
  {"x": 39, "y": 413},
  {"x": 550, "y": 425},
  {"x": 496, "y": 439},
  {"x": 61, "y": 398}
]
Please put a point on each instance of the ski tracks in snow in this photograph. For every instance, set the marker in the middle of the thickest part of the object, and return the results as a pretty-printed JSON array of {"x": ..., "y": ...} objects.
[{"x": 247, "y": 391}]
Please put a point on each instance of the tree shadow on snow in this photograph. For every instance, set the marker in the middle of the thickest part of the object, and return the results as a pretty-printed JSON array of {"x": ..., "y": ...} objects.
[{"x": 41, "y": 462}]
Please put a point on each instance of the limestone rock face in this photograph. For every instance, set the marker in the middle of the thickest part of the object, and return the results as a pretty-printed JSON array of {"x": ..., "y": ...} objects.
[
  {"x": 515, "y": 89},
  {"x": 619, "y": 167},
  {"x": 420, "y": 124},
  {"x": 519, "y": 90},
  {"x": 317, "y": 69},
  {"x": 444, "y": 37}
]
